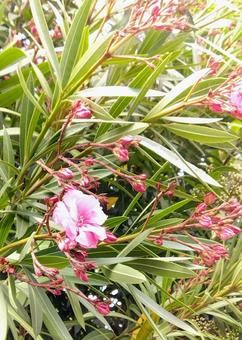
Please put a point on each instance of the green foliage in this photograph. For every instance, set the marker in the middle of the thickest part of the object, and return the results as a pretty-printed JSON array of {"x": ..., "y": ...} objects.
[{"x": 149, "y": 84}]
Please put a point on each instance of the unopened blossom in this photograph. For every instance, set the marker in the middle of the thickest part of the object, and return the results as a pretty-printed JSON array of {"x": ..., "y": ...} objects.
[
  {"x": 200, "y": 208},
  {"x": 121, "y": 153},
  {"x": 127, "y": 141},
  {"x": 213, "y": 253},
  {"x": 209, "y": 198},
  {"x": 81, "y": 111},
  {"x": 81, "y": 216},
  {"x": 226, "y": 232},
  {"x": 103, "y": 308},
  {"x": 139, "y": 186},
  {"x": 205, "y": 221},
  {"x": 111, "y": 238},
  {"x": 64, "y": 174}
]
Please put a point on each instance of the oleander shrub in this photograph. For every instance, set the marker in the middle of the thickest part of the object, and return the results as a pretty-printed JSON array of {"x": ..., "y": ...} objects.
[{"x": 120, "y": 165}]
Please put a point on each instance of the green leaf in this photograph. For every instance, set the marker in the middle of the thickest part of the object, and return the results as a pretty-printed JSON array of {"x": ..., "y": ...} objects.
[
  {"x": 201, "y": 134},
  {"x": 171, "y": 157},
  {"x": 8, "y": 155},
  {"x": 75, "y": 305},
  {"x": 10, "y": 55},
  {"x": 124, "y": 274},
  {"x": 117, "y": 91},
  {"x": 88, "y": 62},
  {"x": 3, "y": 317},
  {"x": 5, "y": 227},
  {"x": 27, "y": 108},
  {"x": 72, "y": 43},
  {"x": 188, "y": 82},
  {"x": 192, "y": 120},
  {"x": 43, "y": 31},
  {"x": 36, "y": 312},
  {"x": 161, "y": 268},
  {"x": 134, "y": 243},
  {"x": 161, "y": 312},
  {"x": 117, "y": 133}
]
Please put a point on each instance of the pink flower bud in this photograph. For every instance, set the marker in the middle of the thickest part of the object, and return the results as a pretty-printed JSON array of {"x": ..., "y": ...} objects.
[
  {"x": 102, "y": 308},
  {"x": 10, "y": 270},
  {"x": 89, "y": 161},
  {"x": 110, "y": 237},
  {"x": 65, "y": 174},
  {"x": 66, "y": 245},
  {"x": 81, "y": 274},
  {"x": 139, "y": 186},
  {"x": 200, "y": 208},
  {"x": 56, "y": 291},
  {"x": 155, "y": 11},
  {"x": 143, "y": 177},
  {"x": 51, "y": 200},
  {"x": 159, "y": 241},
  {"x": 205, "y": 221},
  {"x": 121, "y": 153},
  {"x": 80, "y": 111},
  {"x": 210, "y": 198},
  {"x": 216, "y": 107},
  {"x": 227, "y": 232}
]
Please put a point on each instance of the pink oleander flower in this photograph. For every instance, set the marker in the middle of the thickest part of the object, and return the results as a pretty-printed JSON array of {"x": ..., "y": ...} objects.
[
  {"x": 236, "y": 101},
  {"x": 226, "y": 232},
  {"x": 205, "y": 221},
  {"x": 81, "y": 216},
  {"x": 121, "y": 153}
]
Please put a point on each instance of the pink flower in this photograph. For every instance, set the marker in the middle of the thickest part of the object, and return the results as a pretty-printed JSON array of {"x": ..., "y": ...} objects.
[
  {"x": 81, "y": 216},
  {"x": 205, "y": 221},
  {"x": 226, "y": 232},
  {"x": 236, "y": 101},
  {"x": 103, "y": 308},
  {"x": 121, "y": 153}
]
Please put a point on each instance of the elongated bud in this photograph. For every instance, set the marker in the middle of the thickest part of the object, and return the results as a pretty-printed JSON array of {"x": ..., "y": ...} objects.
[
  {"x": 102, "y": 308},
  {"x": 65, "y": 174},
  {"x": 139, "y": 186}
]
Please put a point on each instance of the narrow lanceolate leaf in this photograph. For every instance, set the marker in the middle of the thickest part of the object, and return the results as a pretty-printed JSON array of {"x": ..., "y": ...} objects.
[
  {"x": 201, "y": 134},
  {"x": 161, "y": 312},
  {"x": 36, "y": 312},
  {"x": 3, "y": 317},
  {"x": 5, "y": 227},
  {"x": 192, "y": 120},
  {"x": 161, "y": 268},
  {"x": 8, "y": 155},
  {"x": 72, "y": 44},
  {"x": 117, "y": 91},
  {"x": 185, "y": 84},
  {"x": 134, "y": 243},
  {"x": 88, "y": 62},
  {"x": 27, "y": 108},
  {"x": 43, "y": 31},
  {"x": 171, "y": 157},
  {"x": 124, "y": 274}
]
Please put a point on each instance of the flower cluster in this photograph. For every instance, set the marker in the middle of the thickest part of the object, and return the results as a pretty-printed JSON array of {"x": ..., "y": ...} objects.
[
  {"x": 168, "y": 16},
  {"x": 227, "y": 97},
  {"x": 218, "y": 219}
]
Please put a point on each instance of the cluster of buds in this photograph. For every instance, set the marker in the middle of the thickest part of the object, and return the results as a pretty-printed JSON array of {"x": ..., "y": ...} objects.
[
  {"x": 56, "y": 33},
  {"x": 218, "y": 219},
  {"x": 5, "y": 266},
  {"x": 148, "y": 14},
  {"x": 227, "y": 97}
]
